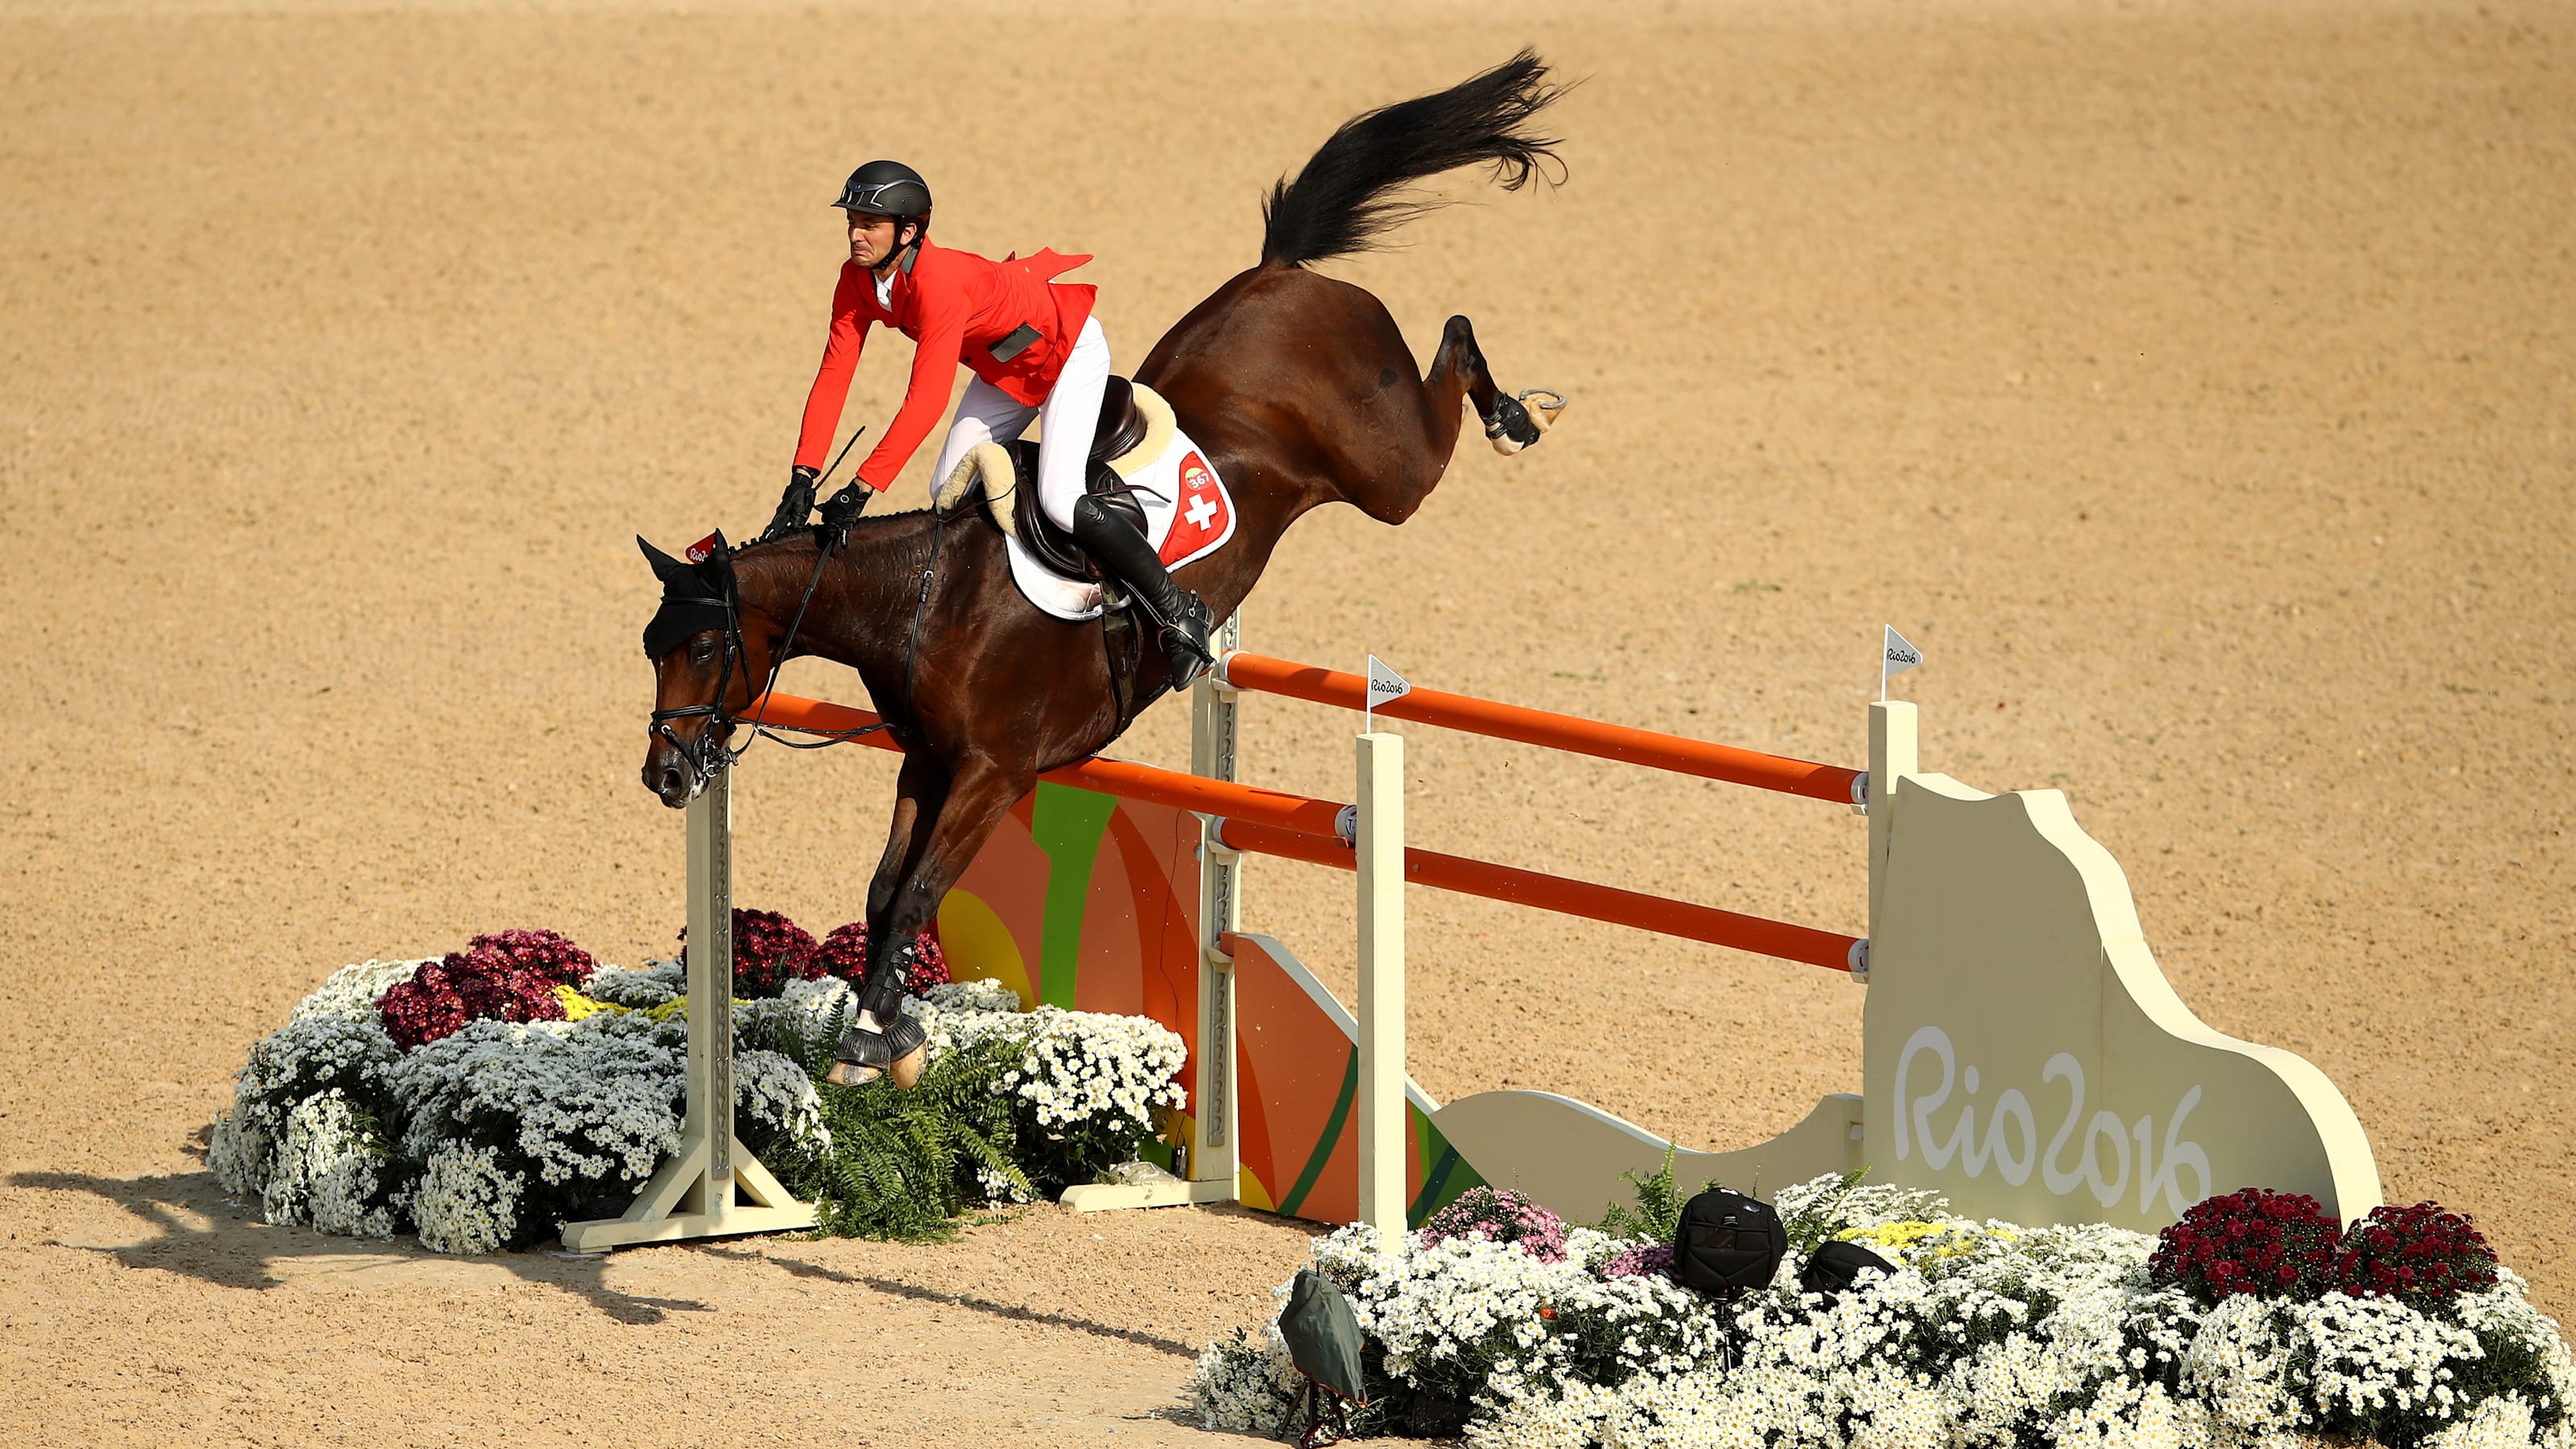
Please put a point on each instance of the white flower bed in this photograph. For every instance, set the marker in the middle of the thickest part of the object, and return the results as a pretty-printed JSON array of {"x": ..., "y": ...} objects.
[
  {"x": 467, "y": 1202},
  {"x": 489, "y": 1135},
  {"x": 351, "y": 993},
  {"x": 1078, "y": 1068},
  {"x": 1987, "y": 1334}
]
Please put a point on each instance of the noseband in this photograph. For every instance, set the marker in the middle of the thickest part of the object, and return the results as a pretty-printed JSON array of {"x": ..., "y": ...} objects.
[{"x": 708, "y": 754}]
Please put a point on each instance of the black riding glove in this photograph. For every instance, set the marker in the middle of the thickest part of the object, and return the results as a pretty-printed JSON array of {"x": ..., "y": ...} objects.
[
  {"x": 794, "y": 505},
  {"x": 841, "y": 510}
]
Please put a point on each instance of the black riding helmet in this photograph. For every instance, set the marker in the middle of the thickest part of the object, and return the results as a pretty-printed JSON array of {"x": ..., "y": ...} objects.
[{"x": 887, "y": 188}]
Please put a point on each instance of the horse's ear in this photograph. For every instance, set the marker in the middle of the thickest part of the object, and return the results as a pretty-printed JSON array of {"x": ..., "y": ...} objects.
[
  {"x": 717, "y": 571},
  {"x": 665, "y": 567}
]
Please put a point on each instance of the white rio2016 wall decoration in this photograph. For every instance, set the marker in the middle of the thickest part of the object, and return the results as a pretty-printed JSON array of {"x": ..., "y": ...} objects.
[
  {"x": 2020, "y": 1050},
  {"x": 2160, "y": 1174}
]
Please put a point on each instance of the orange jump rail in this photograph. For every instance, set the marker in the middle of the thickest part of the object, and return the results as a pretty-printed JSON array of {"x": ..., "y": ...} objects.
[
  {"x": 1109, "y": 777},
  {"x": 1565, "y": 897},
  {"x": 1567, "y": 732},
  {"x": 1300, "y": 827}
]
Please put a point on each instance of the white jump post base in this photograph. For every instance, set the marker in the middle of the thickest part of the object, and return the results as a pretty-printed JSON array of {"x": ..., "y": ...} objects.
[
  {"x": 713, "y": 1187},
  {"x": 1380, "y": 848},
  {"x": 1101, "y": 1197}
]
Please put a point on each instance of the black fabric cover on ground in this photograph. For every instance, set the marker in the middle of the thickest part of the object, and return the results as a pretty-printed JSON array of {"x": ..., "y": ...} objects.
[
  {"x": 1834, "y": 1267},
  {"x": 1323, "y": 1335}
]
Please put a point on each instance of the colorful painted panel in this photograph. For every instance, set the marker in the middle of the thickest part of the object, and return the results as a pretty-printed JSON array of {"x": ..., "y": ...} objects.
[
  {"x": 1300, "y": 1060},
  {"x": 1088, "y": 901}
]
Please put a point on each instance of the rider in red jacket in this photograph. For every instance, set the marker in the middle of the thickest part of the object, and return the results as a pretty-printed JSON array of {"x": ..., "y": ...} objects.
[{"x": 1037, "y": 354}]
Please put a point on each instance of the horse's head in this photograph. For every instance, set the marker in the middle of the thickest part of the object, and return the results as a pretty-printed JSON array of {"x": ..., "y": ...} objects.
[{"x": 707, "y": 666}]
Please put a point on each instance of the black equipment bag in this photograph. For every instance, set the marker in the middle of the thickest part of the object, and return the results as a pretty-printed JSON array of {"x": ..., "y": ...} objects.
[
  {"x": 1728, "y": 1242},
  {"x": 1835, "y": 1266}
]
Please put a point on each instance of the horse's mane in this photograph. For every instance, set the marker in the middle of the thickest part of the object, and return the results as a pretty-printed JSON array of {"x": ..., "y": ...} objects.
[{"x": 870, "y": 540}]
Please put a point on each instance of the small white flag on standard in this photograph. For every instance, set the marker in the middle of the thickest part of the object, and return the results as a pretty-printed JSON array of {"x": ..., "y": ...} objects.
[
  {"x": 1898, "y": 658},
  {"x": 1385, "y": 686}
]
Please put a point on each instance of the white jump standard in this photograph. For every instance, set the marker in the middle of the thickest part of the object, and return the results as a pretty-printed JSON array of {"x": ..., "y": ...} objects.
[{"x": 714, "y": 1187}]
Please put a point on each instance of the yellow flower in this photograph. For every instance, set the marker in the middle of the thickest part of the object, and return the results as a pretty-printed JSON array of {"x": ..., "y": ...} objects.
[
  {"x": 1943, "y": 1240},
  {"x": 576, "y": 1006},
  {"x": 1899, "y": 1236},
  {"x": 668, "y": 1009}
]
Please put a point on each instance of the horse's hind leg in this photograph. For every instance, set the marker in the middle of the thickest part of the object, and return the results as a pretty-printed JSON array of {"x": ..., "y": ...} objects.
[
  {"x": 1408, "y": 431},
  {"x": 1512, "y": 422}
]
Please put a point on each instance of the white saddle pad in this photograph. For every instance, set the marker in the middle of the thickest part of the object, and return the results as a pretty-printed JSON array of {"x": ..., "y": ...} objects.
[{"x": 1188, "y": 515}]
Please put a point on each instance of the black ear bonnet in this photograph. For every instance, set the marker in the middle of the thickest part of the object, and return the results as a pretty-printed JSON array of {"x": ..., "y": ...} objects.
[{"x": 693, "y": 597}]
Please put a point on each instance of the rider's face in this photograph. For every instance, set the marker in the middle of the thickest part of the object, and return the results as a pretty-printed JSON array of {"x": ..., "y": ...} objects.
[{"x": 872, "y": 237}]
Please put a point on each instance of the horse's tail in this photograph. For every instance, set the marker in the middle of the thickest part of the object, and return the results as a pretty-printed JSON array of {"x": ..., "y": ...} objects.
[{"x": 1341, "y": 203}]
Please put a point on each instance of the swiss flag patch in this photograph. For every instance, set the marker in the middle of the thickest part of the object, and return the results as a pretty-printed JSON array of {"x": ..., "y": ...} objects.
[{"x": 1202, "y": 518}]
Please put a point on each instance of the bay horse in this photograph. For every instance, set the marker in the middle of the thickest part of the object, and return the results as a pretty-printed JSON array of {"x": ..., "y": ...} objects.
[{"x": 1299, "y": 389}]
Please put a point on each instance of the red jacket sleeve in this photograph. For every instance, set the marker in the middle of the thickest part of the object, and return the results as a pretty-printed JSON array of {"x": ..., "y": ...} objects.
[
  {"x": 832, "y": 380},
  {"x": 946, "y": 308}
]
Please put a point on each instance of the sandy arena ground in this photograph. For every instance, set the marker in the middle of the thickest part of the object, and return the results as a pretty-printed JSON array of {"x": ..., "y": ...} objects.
[{"x": 2195, "y": 382}]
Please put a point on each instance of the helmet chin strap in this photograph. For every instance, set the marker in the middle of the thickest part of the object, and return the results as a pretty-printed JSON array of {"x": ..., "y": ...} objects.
[{"x": 896, "y": 257}]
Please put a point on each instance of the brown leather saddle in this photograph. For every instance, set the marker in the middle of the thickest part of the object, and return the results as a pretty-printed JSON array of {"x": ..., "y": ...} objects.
[{"x": 1121, "y": 428}]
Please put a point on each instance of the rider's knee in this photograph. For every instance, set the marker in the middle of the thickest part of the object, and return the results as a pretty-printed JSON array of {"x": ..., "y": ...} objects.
[{"x": 1060, "y": 502}]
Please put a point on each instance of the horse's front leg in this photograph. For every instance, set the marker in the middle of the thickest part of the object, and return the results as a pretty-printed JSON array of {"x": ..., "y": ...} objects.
[
  {"x": 977, "y": 796},
  {"x": 920, "y": 789}
]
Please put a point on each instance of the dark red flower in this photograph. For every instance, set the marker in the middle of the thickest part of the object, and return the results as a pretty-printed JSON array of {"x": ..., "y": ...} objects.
[
  {"x": 2421, "y": 1256},
  {"x": 844, "y": 953},
  {"x": 547, "y": 953},
  {"x": 493, "y": 980},
  {"x": 769, "y": 951},
  {"x": 2254, "y": 1241}
]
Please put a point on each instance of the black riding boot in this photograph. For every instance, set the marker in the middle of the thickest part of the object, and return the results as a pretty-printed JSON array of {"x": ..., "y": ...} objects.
[{"x": 1123, "y": 551}]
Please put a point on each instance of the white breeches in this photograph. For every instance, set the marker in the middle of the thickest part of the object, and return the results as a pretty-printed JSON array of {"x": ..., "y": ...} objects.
[{"x": 1066, "y": 420}]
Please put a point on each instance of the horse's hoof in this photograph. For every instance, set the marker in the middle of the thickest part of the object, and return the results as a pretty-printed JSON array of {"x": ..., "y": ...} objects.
[
  {"x": 864, "y": 1055},
  {"x": 907, "y": 1068},
  {"x": 1521, "y": 420},
  {"x": 909, "y": 1046}
]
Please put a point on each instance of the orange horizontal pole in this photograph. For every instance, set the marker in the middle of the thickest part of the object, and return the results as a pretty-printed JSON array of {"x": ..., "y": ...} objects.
[
  {"x": 1566, "y": 897},
  {"x": 1567, "y": 732},
  {"x": 821, "y": 717},
  {"x": 1124, "y": 778},
  {"x": 1300, "y": 827}
]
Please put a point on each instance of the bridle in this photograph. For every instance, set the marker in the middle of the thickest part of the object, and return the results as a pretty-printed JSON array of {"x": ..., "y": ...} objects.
[{"x": 708, "y": 753}]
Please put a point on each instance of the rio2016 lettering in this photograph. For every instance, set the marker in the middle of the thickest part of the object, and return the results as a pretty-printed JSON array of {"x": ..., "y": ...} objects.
[{"x": 2157, "y": 1173}]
